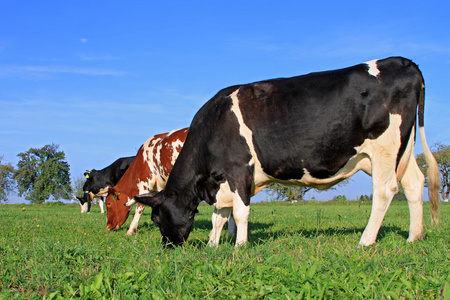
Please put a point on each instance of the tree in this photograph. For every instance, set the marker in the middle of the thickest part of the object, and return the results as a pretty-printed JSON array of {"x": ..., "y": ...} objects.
[
  {"x": 295, "y": 193},
  {"x": 365, "y": 198},
  {"x": 400, "y": 195},
  {"x": 6, "y": 179},
  {"x": 287, "y": 193},
  {"x": 442, "y": 154},
  {"x": 42, "y": 173},
  {"x": 78, "y": 184}
]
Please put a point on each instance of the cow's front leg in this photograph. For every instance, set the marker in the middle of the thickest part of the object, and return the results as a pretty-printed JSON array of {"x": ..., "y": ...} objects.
[
  {"x": 137, "y": 216},
  {"x": 100, "y": 204},
  {"x": 219, "y": 218}
]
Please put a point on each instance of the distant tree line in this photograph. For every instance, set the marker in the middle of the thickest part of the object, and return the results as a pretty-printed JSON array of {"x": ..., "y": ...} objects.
[{"x": 41, "y": 173}]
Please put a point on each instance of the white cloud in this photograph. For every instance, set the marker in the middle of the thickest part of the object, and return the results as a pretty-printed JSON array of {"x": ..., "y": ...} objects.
[
  {"x": 84, "y": 40},
  {"x": 176, "y": 95},
  {"x": 85, "y": 57},
  {"x": 36, "y": 71}
]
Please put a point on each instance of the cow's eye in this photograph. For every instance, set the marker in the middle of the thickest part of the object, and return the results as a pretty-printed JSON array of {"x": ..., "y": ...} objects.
[{"x": 155, "y": 220}]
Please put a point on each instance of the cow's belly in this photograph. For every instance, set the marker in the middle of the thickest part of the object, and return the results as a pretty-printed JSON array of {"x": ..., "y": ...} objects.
[
  {"x": 360, "y": 161},
  {"x": 385, "y": 144}
]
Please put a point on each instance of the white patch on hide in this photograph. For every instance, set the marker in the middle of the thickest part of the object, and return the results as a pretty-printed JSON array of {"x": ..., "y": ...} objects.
[
  {"x": 176, "y": 144},
  {"x": 259, "y": 178},
  {"x": 373, "y": 69},
  {"x": 224, "y": 197}
]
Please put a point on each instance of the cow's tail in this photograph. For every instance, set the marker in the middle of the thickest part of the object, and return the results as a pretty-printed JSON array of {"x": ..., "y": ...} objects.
[{"x": 433, "y": 169}]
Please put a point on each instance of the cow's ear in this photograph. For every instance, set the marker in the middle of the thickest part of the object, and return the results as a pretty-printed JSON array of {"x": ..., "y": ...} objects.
[
  {"x": 115, "y": 196},
  {"x": 152, "y": 199},
  {"x": 111, "y": 190}
]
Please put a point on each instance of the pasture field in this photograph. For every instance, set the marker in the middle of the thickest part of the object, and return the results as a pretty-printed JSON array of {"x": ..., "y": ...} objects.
[{"x": 295, "y": 251}]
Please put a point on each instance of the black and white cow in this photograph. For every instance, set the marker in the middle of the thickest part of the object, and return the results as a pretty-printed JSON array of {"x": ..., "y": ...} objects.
[
  {"x": 313, "y": 130},
  {"x": 97, "y": 182}
]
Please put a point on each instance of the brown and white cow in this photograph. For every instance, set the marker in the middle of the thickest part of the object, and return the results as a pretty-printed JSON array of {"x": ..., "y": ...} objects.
[
  {"x": 312, "y": 130},
  {"x": 148, "y": 171}
]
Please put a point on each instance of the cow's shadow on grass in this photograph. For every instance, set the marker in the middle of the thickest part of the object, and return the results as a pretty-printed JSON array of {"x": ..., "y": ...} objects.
[
  {"x": 260, "y": 233},
  {"x": 144, "y": 226},
  {"x": 147, "y": 226},
  {"x": 257, "y": 235}
]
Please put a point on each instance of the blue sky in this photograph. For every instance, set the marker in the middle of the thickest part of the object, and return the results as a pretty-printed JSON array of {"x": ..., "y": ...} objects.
[{"x": 100, "y": 77}]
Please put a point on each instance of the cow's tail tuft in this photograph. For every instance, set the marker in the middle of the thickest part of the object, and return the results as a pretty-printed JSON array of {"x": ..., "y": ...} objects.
[{"x": 433, "y": 169}]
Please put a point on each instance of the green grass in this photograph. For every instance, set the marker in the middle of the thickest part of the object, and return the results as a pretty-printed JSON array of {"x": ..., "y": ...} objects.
[{"x": 295, "y": 251}]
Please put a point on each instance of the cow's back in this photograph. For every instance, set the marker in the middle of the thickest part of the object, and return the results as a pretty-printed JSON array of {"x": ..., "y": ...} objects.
[
  {"x": 118, "y": 169},
  {"x": 153, "y": 163}
]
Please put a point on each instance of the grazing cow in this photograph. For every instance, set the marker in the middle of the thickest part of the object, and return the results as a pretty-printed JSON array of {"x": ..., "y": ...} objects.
[
  {"x": 149, "y": 171},
  {"x": 313, "y": 130},
  {"x": 84, "y": 204},
  {"x": 98, "y": 181}
]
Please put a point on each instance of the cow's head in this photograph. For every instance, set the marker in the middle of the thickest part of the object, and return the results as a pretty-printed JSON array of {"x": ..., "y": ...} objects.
[
  {"x": 83, "y": 203},
  {"x": 116, "y": 212},
  {"x": 91, "y": 184},
  {"x": 82, "y": 200},
  {"x": 174, "y": 221}
]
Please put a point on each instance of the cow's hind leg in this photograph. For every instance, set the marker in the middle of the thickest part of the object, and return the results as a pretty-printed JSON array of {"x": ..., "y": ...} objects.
[
  {"x": 412, "y": 182},
  {"x": 219, "y": 218},
  {"x": 385, "y": 186}
]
